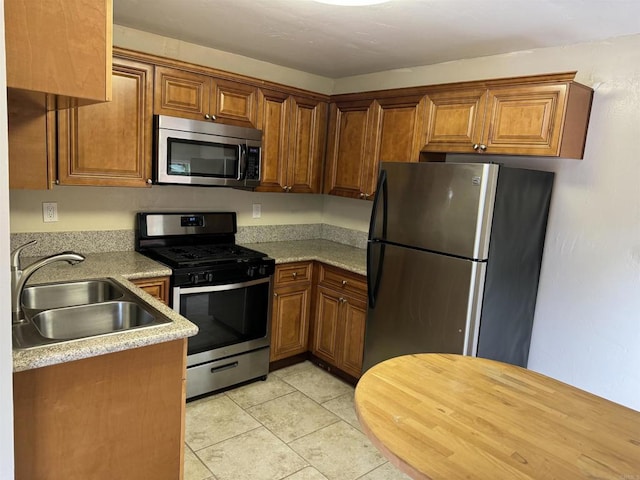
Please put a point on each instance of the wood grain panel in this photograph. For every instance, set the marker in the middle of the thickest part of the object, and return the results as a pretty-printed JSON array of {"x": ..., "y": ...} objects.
[
  {"x": 181, "y": 94},
  {"x": 307, "y": 145},
  {"x": 274, "y": 123},
  {"x": 62, "y": 47},
  {"x": 455, "y": 120},
  {"x": 110, "y": 143},
  {"x": 402, "y": 127},
  {"x": 325, "y": 337},
  {"x": 31, "y": 157},
  {"x": 348, "y": 156},
  {"x": 290, "y": 330},
  {"x": 234, "y": 103},
  {"x": 439, "y": 416},
  {"x": 287, "y": 273},
  {"x": 119, "y": 415},
  {"x": 352, "y": 347},
  {"x": 157, "y": 287},
  {"x": 525, "y": 120}
]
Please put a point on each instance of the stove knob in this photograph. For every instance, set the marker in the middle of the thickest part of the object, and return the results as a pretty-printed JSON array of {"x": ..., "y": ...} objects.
[
  {"x": 262, "y": 270},
  {"x": 208, "y": 276},
  {"x": 251, "y": 271},
  {"x": 194, "y": 278}
]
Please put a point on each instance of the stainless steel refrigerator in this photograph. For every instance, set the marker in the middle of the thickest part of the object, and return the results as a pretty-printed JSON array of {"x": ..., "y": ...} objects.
[{"x": 453, "y": 260}]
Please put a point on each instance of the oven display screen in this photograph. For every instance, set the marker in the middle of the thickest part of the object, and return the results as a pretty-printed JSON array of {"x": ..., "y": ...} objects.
[{"x": 192, "y": 221}]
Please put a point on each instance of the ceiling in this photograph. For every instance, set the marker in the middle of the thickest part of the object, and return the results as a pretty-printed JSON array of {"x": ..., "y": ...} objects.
[{"x": 336, "y": 42}]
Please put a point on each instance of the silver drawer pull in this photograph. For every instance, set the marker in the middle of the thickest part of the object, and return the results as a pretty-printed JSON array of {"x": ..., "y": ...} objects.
[{"x": 224, "y": 367}]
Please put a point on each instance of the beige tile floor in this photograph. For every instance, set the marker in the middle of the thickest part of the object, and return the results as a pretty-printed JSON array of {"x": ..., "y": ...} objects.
[{"x": 299, "y": 424}]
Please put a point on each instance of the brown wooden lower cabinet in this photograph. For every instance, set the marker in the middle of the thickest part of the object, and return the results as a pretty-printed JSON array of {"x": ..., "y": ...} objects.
[
  {"x": 291, "y": 310},
  {"x": 325, "y": 315},
  {"x": 339, "y": 329},
  {"x": 119, "y": 415},
  {"x": 157, "y": 287}
]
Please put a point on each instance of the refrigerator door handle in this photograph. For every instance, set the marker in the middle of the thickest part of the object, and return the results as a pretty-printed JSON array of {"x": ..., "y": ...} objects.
[{"x": 373, "y": 277}]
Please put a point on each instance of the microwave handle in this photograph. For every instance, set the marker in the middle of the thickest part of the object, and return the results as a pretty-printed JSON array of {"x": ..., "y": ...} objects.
[{"x": 243, "y": 161}]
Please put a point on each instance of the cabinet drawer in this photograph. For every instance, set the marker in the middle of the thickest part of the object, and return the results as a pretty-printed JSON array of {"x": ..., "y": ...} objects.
[
  {"x": 342, "y": 280},
  {"x": 292, "y": 272}
]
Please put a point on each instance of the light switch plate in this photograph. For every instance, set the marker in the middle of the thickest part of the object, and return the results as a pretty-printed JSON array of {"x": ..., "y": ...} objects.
[{"x": 257, "y": 210}]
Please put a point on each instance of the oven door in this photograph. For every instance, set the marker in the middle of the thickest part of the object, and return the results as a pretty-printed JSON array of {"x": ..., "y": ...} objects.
[
  {"x": 199, "y": 159},
  {"x": 232, "y": 319}
]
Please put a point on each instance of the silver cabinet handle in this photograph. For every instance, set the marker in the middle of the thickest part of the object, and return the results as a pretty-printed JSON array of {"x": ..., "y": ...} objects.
[
  {"x": 294, "y": 274},
  {"x": 207, "y": 116},
  {"x": 275, "y": 294},
  {"x": 344, "y": 282},
  {"x": 483, "y": 147},
  {"x": 149, "y": 181}
]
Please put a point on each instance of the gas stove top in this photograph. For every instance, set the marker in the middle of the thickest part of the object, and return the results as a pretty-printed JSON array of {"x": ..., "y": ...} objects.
[
  {"x": 203, "y": 255},
  {"x": 200, "y": 248}
]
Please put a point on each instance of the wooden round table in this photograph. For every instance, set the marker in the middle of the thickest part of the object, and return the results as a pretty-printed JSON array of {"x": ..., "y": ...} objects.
[{"x": 441, "y": 416}]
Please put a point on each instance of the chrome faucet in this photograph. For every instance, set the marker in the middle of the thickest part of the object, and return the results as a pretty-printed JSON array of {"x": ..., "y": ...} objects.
[{"x": 19, "y": 276}]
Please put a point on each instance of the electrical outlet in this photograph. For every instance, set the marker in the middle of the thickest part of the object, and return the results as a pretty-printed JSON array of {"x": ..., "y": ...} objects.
[
  {"x": 49, "y": 212},
  {"x": 257, "y": 210}
]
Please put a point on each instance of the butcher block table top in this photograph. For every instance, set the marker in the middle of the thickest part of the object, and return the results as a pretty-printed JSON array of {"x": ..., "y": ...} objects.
[{"x": 441, "y": 416}]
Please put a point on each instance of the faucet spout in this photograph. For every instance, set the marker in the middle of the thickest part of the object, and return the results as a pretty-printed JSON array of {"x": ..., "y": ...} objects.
[{"x": 19, "y": 276}]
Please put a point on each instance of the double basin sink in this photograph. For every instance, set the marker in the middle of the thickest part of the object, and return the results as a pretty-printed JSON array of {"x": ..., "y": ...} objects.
[{"x": 62, "y": 312}]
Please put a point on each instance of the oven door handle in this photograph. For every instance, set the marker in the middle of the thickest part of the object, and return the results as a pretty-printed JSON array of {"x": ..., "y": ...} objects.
[{"x": 222, "y": 288}]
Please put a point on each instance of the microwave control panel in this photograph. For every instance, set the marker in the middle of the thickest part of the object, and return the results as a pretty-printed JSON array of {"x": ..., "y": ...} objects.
[{"x": 253, "y": 163}]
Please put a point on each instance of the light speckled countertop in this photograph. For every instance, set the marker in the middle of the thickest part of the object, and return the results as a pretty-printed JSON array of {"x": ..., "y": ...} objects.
[
  {"x": 129, "y": 265},
  {"x": 336, "y": 254},
  {"x": 120, "y": 266}
]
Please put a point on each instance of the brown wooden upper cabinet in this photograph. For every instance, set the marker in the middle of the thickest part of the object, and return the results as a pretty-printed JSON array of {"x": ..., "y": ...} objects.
[
  {"x": 546, "y": 117},
  {"x": 364, "y": 131},
  {"x": 110, "y": 144},
  {"x": 60, "y": 47},
  {"x": 293, "y": 142},
  {"x": 180, "y": 93}
]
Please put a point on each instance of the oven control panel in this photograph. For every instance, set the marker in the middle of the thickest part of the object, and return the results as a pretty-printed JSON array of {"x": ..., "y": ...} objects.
[{"x": 233, "y": 273}]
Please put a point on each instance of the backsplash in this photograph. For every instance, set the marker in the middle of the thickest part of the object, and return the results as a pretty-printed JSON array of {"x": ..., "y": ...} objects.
[{"x": 124, "y": 240}]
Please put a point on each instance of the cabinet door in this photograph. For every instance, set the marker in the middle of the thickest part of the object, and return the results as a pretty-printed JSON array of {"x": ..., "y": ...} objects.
[
  {"x": 307, "y": 138},
  {"x": 349, "y": 153},
  {"x": 353, "y": 319},
  {"x": 234, "y": 103},
  {"x": 326, "y": 331},
  {"x": 110, "y": 143},
  {"x": 290, "y": 321},
  {"x": 274, "y": 123},
  {"x": 181, "y": 94},
  {"x": 31, "y": 136},
  {"x": 525, "y": 120},
  {"x": 61, "y": 47},
  {"x": 455, "y": 120},
  {"x": 401, "y": 126}
]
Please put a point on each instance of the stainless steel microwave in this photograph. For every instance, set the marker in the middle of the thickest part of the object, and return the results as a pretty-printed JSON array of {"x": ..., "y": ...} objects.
[{"x": 193, "y": 152}]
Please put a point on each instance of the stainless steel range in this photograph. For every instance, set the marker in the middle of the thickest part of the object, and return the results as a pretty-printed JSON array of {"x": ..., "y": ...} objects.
[{"x": 223, "y": 288}]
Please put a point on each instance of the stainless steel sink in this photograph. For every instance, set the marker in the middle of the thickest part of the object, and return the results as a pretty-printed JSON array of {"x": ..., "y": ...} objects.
[
  {"x": 69, "y": 311},
  {"x": 57, "y": 295},
  {"x": 89, "y": 320}
]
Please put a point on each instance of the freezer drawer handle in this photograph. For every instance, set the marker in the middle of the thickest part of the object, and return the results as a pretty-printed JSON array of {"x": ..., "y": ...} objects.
[{"x": 228, "y": 366}]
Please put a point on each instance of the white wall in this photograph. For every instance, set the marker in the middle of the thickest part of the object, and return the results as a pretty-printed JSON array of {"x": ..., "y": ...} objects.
[
  {"x": 109, "y": 208},
  {"x": 587, "y": 324},
  {"x": 6, "y": 359}
]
